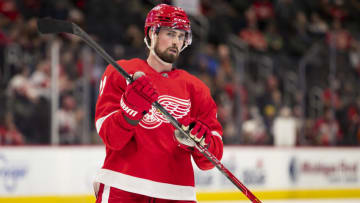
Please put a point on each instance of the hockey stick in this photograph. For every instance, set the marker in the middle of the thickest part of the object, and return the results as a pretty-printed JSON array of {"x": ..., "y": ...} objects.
[{"x": 51, "y": 26}]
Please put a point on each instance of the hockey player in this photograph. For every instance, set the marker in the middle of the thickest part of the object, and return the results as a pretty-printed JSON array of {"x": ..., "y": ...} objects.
[{"x": 147, "y": 160}]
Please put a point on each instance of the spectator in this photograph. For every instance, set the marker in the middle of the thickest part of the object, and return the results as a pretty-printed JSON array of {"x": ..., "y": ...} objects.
[
  {"x": 285, "y": 12},
  {"x": 40, "y": 79},
  {"x": 327, "y": 130},
  {"x": 339, "y": 36},
  {"x": 277, "y": 35},
  {"x": 69, "y": 119},
  {"x": 317, "y": 26},
  {"x": 301, "y": 40},
  {"x": 9, "y": 9},
  {"x": 9, "y": 134},
  {"x": 264, "y": 11},
  {"x": 270, "y": 102},
  {"x": 354, "y": 58},
  {"x": 337, "y": 10},
  {"x": 207, "y": 60},
  {"x": 273, "y": 38},
  {"x": 225, "y": 73},
  {"x": 251, "y": 34},
  {"x": 226, "y": 117},
  {"x": 285, "y": 128},
  {"x": 21, "y": 87},
  {"x": 254, "y": 129},
  {"x": 352, "y": 127}
]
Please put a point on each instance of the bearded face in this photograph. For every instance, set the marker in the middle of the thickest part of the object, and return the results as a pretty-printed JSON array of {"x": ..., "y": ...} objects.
[
  {"x": 169, "y": 55},
  {"x": 168, "y": 44}
]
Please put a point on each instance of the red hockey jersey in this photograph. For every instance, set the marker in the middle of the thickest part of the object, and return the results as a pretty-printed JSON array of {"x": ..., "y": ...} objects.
[{"x": 147, "y": 159}]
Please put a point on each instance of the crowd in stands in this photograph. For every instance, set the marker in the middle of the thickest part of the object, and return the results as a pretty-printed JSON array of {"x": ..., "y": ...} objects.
[{"x": 282, "y": 72}]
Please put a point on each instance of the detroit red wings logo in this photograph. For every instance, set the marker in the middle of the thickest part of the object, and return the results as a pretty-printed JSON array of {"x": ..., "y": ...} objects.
[{"x": 178, "y": 108}]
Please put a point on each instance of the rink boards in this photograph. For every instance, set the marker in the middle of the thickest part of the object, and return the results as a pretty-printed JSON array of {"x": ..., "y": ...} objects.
[{"x": 65, "y": 174}]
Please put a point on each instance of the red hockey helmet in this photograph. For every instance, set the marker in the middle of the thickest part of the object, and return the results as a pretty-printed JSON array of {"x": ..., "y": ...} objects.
[{"x": 164, "y": 15}]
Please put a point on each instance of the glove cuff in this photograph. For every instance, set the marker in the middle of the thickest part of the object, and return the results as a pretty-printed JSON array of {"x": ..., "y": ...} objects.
[{"x": 130, "y": 112}]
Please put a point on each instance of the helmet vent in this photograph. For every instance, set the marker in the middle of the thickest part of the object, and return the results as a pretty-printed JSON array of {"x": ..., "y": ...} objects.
[{"x": 164, "y": 19}]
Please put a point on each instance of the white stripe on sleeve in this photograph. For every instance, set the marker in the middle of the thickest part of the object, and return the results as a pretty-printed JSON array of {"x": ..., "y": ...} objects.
[
  {"x": 101, "y": 120},
  {"x": 216, "y": 134}
]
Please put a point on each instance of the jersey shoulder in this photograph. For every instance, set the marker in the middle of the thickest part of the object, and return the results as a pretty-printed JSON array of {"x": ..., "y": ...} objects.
[
  {"x": 192, "y": 80},
  {"x": 132, "y": 65}
]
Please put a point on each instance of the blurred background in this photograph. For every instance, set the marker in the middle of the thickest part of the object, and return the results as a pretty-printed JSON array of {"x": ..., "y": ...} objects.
[{"x": 284, "y": 73}]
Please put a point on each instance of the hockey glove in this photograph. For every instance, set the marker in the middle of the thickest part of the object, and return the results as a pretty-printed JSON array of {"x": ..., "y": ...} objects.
[
  {"x": 137, "y": 99},
  {"x": 198, "y": 131}
]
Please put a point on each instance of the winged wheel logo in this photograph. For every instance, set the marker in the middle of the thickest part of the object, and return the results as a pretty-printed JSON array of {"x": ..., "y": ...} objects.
[{"x": 178, "y": 108}]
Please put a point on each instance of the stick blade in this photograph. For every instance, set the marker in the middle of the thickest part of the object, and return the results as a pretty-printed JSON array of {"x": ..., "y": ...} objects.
[{"x": 49, "y": 26}]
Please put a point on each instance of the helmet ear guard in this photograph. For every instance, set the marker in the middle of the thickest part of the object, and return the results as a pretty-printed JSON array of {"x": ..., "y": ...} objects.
[
  {"x": 148, "y": 38},
  {"x": 187, "y": 41}
]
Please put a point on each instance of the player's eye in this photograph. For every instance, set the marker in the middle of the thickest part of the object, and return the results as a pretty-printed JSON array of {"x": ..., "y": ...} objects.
[
  {"x": 181, "y": 37},
  {"x": 171, "y": 34}
]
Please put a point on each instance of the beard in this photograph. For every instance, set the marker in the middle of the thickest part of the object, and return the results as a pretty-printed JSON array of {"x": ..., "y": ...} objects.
[{"x": 166, "y": 55}]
